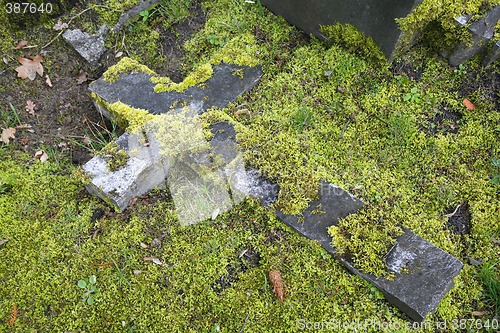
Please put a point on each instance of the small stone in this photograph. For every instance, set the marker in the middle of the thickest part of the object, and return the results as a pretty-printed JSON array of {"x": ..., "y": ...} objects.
[{"x": 90, "y": 47}]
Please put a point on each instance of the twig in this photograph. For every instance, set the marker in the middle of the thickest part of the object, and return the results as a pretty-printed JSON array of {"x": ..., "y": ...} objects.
[
  {"x": 244, "y": 324},
  {"x": 71, "y": 20},
  {"x": 343, "y": 130},
  {"x": 454, "y": 212}
]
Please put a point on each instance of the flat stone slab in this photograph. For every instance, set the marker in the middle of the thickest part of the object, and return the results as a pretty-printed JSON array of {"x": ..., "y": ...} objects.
[
  {"x": 90, "y": 47},
  {"x": 375, "y": 18},
  {"x": 137, "y": 90},
  {"x": 428, "y": 271}
]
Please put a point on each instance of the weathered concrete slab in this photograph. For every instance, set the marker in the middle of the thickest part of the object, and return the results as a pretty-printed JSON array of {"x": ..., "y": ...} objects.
[
  {"x": 375, "y": 18},
  {"x": 423, "y": 272},
  {"x": 90, "y": 47},
  {"x": 137, "y": 90}
]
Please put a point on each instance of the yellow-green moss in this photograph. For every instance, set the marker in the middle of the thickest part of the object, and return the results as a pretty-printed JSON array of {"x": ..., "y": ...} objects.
[
  {"x": 199, "y": 75},
  {"x": 126, "y": 117},
  {"x": 354, "y": 40},
  {"x": 115, "y": 156},
  {"x": 125, "y": 65}
]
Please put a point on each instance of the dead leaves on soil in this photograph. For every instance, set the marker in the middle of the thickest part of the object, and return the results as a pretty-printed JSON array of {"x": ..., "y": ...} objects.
[
  {"x": 277, "y": 282},
  {"x": 81, "y": 77},
  {"x": 30, "y": 107},
  {"x": 13, "y": 316},
  {"x": 30, "y": 67},
  {"x": 7, "y": 134},
  {"x": 42, "y": 156}
]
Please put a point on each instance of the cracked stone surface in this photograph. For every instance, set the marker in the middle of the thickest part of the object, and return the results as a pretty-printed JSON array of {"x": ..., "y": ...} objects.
[
  {"x": 90, "y": 47},
  {"x": 136, "y": 90},
  {"x": 375, "y": 18}
]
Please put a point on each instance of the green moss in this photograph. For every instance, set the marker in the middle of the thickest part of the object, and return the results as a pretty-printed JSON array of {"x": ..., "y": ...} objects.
[
  {"x": 126, "y": 117},
  {"x": 440, "y": 15},
  {"x": 354, "y": 40},
  {"x": 115, "y": 156},
  {"x": 125, "y": 65},
  {"x": 199, "y": 75}
]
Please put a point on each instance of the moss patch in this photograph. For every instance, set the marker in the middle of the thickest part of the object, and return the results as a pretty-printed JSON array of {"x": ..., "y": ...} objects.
[
  {"x": 199, "y": 75},
  {"x": 115, "y": 156}
]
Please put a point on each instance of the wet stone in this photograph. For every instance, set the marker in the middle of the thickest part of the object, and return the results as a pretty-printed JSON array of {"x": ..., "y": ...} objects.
[
  {"x": 137, "y": 90},
  {"x": 375, "y": 18}
]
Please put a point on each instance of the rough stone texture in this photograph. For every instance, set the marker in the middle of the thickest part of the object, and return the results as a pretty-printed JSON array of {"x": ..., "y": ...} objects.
[
  {"x": 430, "y": 270},
  {"x": 375, "y": 18},
  {"x": 482, "y": 32},
  {"x": 91, "y": 48},
  {"x": 142, "y": 173},
  {"x": 137, "y": 91}
]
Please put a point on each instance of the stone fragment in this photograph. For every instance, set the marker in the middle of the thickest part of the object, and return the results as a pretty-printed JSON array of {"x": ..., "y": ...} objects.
[
  {"x": 482, "y": 32},
  {"x": 130, "y": 14},
  {"x": 142, "y": 172},
  {"x": 375, "y": 18},
  {"x": 91, "y": 48},
  {"x": 423, "y": 272},
  {"x": 137, "y": 90}
]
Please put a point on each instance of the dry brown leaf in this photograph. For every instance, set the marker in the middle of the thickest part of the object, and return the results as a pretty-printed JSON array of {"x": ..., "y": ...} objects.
[
  {"x": 42, "y": 156},
  {"x": 479, "y": 313},
  {"x": 154, "y": 260},
  {"x": 21, "y": 44},
  {"x": 81, "y": 77},
  {"x": 277, "y": 282},
  {"x": 60, "y": 25},
  {"x": 468, "y": 104},
  {"x": 30, "y": 67},
  {"x": 13, "y": 316},
  {"x": 47, "y": 80},
  {"x": 7, "y": 134},
  {"x": 30, "y": 107}
]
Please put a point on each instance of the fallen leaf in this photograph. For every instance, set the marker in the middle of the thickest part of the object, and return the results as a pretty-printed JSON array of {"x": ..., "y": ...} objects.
[
  {"x": 13, "y": 316},
  {"x": 81, "y": 77},
  {"x": 30, "y": 107},
  {"x": 42, "y": 156},
  {"x": 7, "y": 134},
  {"x": 21, "y": 44},
  {"x": 277, "y": 282},
  {"x": 30, "y": 68},
  {"x": 468, "y": 104},
  {"x": 144, "y": 246},
  {"x": 5, "y": 60},
  {"x": 2, "y": 242},
  {"x": 479, "y": 313},
  {"x": 154, "y": 260},
  {"x": 119, "y": 54},
  {"x": 49, "y": 83},
  {"x": 24, "y": 141},
  {"x": 60, "y": 25},
  {"x": 137, "y": 271}
]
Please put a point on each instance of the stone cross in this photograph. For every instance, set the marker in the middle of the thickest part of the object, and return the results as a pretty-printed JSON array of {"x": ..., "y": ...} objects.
[{"x": 201, "y": 190}]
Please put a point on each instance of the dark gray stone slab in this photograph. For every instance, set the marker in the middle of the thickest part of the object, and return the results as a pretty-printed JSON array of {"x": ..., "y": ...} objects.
[
  {"x": 334, "y": 204},
  {"x": 90, "y": 47},
  {"x": 375, "y": 18},
  {"x": 423, "y": 272},
  {"x": 136, "y": 89}
]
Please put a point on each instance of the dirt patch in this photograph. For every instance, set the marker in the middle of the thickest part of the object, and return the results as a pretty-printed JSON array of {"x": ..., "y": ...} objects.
[
  {"x": 445, "y": 121},
  {"x": 247, "y": 259},
  {"x": 174, "y": 38},
  {"x": 459, "y": 219}
]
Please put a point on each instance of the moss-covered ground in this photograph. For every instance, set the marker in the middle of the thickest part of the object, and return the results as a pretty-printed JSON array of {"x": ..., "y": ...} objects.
[{"x": 398, "y": 137}]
